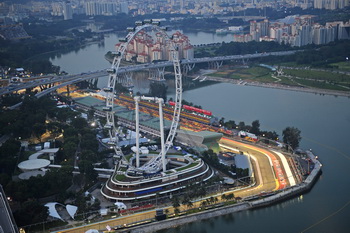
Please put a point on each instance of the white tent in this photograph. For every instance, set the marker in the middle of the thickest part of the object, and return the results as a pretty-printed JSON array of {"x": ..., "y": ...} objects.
[
  {"x": 72, "y": 210},
  {"x": 92, "y": 231},
  {"x": 52, "y": 210}
]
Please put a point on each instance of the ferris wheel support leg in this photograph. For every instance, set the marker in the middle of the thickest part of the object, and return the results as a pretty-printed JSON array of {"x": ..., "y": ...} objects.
[
  {"x": 161, "y": 124},
  {"x": 137, "y": 131}
]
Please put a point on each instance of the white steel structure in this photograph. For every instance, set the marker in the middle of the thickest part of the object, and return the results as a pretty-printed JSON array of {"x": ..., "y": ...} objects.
[{"x": 153, "y": 165}]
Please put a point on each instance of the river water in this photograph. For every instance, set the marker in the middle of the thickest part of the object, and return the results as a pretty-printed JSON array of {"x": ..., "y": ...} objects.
[{"x": 325, "y": 125}]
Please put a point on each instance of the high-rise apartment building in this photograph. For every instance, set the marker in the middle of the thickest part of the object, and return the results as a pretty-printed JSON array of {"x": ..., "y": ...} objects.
[
  {"x": 124, "y": 8},
  {"x": 144, "y": 48},
  {"x": 330, "y": 4},
  {"x": 67, "y": 11}
]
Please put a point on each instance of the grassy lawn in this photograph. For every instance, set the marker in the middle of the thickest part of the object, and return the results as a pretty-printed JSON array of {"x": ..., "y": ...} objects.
[
  {"x": 344, "y": 66},
  {"x": 321, "y": 85},
  {"x": 120, "y": 177},
  {"x": 128, "y": 157},
  {"x": 187, "y": 167},
  {"x": 287, "y": 81},
  {"x": 265, "y": 79},
  {"x": 309, "y": 78},
  {"x": 319, "y": 75},
  {"x": 252, "y": 73}
]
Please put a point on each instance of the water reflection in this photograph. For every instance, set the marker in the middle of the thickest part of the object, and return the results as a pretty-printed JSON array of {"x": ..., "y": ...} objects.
[{"x": 228, "y": 218}]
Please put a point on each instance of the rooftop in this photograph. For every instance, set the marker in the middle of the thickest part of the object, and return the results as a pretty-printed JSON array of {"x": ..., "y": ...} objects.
[{"x": 33, "y": 164}]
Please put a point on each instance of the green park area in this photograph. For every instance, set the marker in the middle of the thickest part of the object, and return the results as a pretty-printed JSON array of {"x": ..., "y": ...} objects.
[
  {"x": 343, "y": 66},
  {"x": 319, "y": 79},
  {"x": 254, "y": 73},
  {"x": 301, "y": 77}
]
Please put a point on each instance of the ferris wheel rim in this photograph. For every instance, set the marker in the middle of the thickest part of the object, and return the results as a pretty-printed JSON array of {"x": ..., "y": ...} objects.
[{"x": 113, "y": 78}]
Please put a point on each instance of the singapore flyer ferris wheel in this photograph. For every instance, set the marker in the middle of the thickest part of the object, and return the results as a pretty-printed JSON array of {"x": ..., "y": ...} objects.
[{"x": 156, "y": 163}]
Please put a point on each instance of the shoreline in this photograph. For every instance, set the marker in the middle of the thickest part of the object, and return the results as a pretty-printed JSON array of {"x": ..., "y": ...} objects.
[{"x": 282, "y": 87}]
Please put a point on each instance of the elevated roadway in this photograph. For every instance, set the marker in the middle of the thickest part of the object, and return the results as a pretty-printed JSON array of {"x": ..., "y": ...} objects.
[{"x": 72, "y": 79}]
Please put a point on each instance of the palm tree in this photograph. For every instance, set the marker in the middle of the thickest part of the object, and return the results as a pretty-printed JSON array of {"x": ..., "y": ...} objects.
[
  {"x": 223, "y": 197},
  {"x": 166, "y": 211},
  {"x": 176, "y": 202},
  {"x": 203, "y": 203},
  {"x": 189, "y": 204},
  {"x": 230, "y": 196},
  {"x": 176, "y": 211},
  {"x": 212, "y": 200},
  {"x": 216, "y": 199},
  {"x": 185, "y": 200}
]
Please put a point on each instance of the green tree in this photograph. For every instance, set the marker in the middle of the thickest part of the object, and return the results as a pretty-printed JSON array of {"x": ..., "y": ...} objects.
[
  {"x": 216, "y": 199},
  {"x": 38, "y": 130},
  {"x": 69, "y": 149},
  {"x": 204, "y": 203},
  {"x": 79, "y": 123},
  {"x": 291, "y": 136},
  {"x": 189, "y": 204},
  {"x": 230, "y": 196},
  {"x": 158, "y": 90},
  {"x": 255, "y": 129},
  {"x": 241, "y": 125},
  {"x": 86, "y": 168},
  {"x": 31, "y": 212},
  {"x": 175, "y": 202},
  {"x": 55, "y": 128},
  {"x": 223, "y": 197},
  {"x": 185, "y": 199},
  {"x": 230, "y": 124}
]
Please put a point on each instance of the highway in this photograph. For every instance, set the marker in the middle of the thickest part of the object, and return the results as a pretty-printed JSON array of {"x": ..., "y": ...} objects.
[
  {"x": 7, "y": 223},
  {"x": 263, "y": 162},
  {"x": 71, "y": 79}
]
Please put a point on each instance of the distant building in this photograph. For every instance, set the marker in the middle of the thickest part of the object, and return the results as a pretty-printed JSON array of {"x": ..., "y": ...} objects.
[
  {"x": 93, "y": 8},
  {"x": 143, "y": 48},
  {"x": 298, "y": 32},
  {"x": 124, "y": 7},
  {"x": 330, "y": 4},
  {"x": 57, "y": 9},
  {"x": 67, "y": 11}
]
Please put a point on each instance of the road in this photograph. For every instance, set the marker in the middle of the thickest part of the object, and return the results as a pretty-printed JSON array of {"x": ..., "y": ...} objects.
[
  {"x": 264, "y": 172},
  {"x": 7, "y": 224}
]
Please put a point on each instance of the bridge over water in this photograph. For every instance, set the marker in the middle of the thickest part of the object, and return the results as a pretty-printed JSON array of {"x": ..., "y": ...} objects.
[{"x": 214, "y": 62}]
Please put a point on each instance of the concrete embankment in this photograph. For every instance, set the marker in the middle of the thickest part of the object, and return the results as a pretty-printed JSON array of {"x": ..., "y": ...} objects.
[
  {"x": 178, "y": 221},
  {"x": 305, "y": 186}
]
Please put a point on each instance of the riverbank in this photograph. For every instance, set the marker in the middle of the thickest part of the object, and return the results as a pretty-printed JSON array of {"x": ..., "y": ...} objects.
[{"x": 280, "y": 86}]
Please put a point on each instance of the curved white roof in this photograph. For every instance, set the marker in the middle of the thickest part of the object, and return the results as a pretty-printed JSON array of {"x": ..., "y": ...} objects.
[
  {"x": 92, "y": 231},
  {"x": 72, "y": 210},
  {"x": 52, "y": 209},
  {"x": 27, "y": 175},
  {"x": 33, "y": 164}
]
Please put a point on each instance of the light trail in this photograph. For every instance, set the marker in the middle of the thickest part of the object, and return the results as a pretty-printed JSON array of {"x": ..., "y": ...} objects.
[
  {"x": 286, "y": 168},
  {"x": 276, "y": 167}
]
